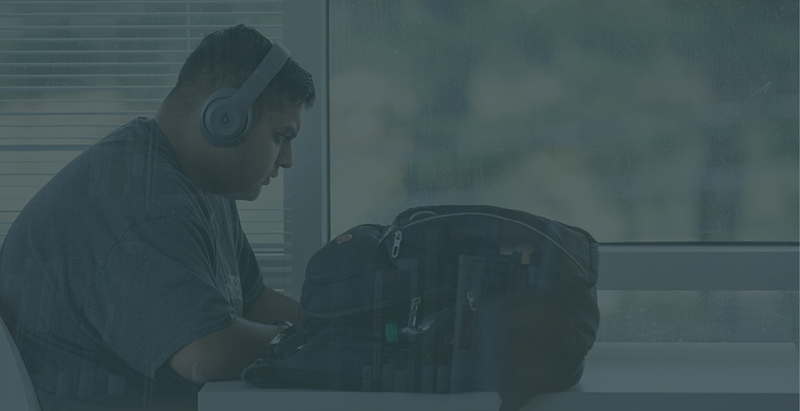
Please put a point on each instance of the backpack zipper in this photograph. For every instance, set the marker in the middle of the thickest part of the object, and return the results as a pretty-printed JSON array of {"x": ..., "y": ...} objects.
[
  {"x": 398, "y": 237},
  {"x": 412, "y": 329},
  {"x": 398, "y": 234}
]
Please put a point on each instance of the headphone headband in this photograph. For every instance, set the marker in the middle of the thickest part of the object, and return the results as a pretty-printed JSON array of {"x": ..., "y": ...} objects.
[{"x": 258, "y": 81}]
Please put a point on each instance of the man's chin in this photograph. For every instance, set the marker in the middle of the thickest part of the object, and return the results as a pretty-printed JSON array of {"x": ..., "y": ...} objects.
[{"x": 251, "y": 195}]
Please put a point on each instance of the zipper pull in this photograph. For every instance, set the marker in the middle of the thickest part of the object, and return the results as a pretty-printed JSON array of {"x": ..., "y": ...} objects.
[
  {"x": 412, "y": 314},
  {"x": 412, "y": 317},
  {"x": 471, "y": 301},
  {"x": 398, "y": 237}
]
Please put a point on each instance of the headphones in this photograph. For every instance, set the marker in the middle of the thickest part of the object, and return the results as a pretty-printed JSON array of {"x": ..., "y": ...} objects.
[{"x": 227, "y": 114}]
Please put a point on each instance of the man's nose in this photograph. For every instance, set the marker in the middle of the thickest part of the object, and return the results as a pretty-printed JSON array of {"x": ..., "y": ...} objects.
[{"x": 285, "y": 155}]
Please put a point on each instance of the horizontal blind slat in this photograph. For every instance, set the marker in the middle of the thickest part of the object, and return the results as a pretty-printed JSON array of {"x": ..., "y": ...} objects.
[
  {"x": 80, "y": 88},
  {"x": 88, "y": 100},
  {"x": 274, "y": 257},
  {"x": 109, "y": 52},
  {"x": 98, "y": 39},
  {"x": 268, "y": 269},
  {"x": 33, "y": 147},
  {"x": 136, "y": 27},
  {"x": 278, "y": 281},
  {"x": 76, "y": 113},
  {"x": 141, "y": 2},
  {"x": 96, "y": 64},
  {"x": 85, "y": 76},
  {"x": 145, "y": 14},
  {"x": 265, "y": 247},
  {"x": 59, "y": 125}
]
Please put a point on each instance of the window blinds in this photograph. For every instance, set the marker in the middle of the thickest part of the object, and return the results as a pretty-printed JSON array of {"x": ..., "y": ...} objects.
[{"x": 72, "y": 71}]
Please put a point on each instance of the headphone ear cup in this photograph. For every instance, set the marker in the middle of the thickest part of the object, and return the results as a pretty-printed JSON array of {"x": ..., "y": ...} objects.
[{"x": 222, "y": 124}]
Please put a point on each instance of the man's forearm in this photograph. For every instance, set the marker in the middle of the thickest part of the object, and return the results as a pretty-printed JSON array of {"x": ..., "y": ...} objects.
[{"x": 223, "y": 354}]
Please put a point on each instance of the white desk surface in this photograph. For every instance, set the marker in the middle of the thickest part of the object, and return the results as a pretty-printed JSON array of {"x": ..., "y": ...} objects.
[{"x": 618, "y": 376}]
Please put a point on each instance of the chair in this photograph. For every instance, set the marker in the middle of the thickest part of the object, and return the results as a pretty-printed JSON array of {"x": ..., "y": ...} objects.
[{"x": 16, "y": 388}]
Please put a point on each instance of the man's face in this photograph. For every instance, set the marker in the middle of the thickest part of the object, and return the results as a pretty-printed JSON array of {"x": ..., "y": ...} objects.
[{"x": 267, "y": 147}]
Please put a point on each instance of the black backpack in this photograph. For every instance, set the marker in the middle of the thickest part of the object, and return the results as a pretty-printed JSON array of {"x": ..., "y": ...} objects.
[{"x": 432, "y": 303}]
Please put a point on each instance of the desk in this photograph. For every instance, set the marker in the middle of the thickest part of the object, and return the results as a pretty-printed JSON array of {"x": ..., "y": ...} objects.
[{"x": 618, "y": 376}]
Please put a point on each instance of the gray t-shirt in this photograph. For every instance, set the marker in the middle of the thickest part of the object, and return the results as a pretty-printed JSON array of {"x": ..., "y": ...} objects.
[{"x": 117, "y": 263}]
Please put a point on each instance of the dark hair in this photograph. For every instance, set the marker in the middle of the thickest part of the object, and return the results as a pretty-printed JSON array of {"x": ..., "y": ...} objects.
[{"x": 226, "y": 58}]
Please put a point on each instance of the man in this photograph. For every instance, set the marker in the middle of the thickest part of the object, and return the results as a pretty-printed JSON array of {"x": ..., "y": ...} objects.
[{"x": 127, "y": 280}]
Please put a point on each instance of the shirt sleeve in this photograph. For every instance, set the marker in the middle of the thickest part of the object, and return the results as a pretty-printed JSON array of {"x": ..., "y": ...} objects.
[{"x": 157, "y": 292}]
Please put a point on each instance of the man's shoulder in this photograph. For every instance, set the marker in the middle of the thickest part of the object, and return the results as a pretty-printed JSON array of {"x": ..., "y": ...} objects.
[
  {"x": 130, "y": 175},
  {"x": 139, "y": 142},
  {"x": 136, "y": 160}
]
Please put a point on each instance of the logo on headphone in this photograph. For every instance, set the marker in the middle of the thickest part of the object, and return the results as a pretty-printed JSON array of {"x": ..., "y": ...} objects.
[{"x": 225, "y": 120}]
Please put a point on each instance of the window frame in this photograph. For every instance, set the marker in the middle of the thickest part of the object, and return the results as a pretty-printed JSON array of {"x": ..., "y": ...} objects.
[
  {"x": 699, "y": 266},
  {"x": 307, "y": 200}
]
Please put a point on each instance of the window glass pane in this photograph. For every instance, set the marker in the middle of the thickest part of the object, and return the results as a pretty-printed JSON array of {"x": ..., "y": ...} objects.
[
  {"x": 698, "y": 316},
  {"x": 636, "y": 120}
]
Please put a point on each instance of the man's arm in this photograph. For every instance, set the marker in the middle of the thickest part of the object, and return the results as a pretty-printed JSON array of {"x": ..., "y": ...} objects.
[
  {"x": 223, "y": 354},
  {"x": 271, "y": 306}
]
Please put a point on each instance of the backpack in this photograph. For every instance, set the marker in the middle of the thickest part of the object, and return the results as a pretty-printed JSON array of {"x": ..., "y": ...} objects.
[{"x": 436, "y": 302}]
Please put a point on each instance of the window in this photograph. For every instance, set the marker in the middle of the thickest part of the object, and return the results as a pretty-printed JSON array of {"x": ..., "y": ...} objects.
[{"x": 667, "y": 129}]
